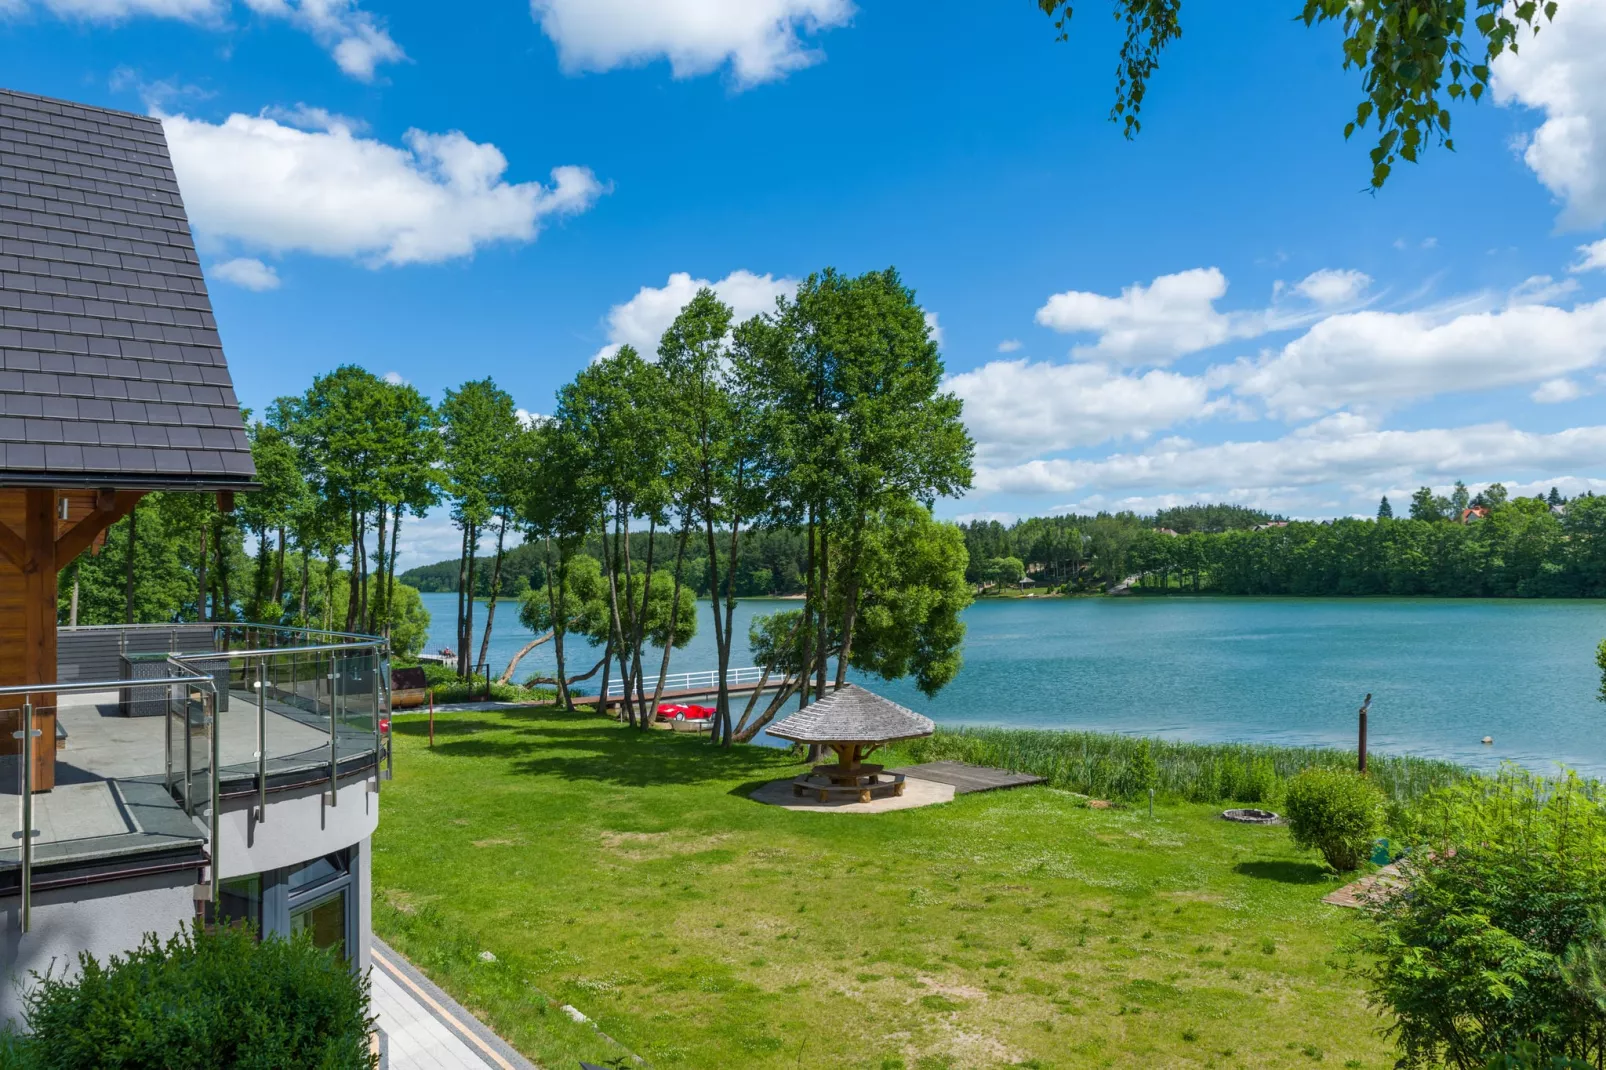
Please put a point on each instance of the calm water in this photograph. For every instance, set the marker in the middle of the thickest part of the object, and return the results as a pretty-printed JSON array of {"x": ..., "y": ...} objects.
[{"x": 1444, "y": 673}]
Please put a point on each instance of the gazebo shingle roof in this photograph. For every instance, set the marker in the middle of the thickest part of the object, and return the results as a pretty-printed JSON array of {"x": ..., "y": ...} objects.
[
  {"x": 853, "y": 715},
  {"x": 111, "y": 369}
]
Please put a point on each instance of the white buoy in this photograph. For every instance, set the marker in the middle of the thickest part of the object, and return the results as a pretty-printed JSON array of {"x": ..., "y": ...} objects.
[{"x": 1488, "y": 739}]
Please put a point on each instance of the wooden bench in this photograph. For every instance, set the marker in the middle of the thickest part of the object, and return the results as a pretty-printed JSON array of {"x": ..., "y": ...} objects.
[{"x": 880, "y": 786}]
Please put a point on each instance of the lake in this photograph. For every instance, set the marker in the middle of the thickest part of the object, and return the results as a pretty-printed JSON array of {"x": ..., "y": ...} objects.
[{"x": 1444, "y": 673}]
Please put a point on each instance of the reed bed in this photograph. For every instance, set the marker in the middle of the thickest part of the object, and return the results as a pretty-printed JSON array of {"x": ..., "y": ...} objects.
[{"x": 1108, "y": 766}]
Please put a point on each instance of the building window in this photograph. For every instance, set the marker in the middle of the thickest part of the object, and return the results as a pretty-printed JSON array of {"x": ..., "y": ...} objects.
[{"x": 317, "y": 897}]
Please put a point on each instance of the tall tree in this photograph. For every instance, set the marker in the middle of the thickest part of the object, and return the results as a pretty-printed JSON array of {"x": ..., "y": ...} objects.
[
  {"x": 1385, "y": 511},
  {"x": 475, "y": 426}
]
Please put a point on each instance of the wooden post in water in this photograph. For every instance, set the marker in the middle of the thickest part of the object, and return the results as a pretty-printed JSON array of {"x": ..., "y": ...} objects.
[{"x": 1365, "y": 705}]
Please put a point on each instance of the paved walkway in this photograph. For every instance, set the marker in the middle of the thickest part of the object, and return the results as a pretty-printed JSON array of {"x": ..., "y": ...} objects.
[{"x": 425, "y": 1029}]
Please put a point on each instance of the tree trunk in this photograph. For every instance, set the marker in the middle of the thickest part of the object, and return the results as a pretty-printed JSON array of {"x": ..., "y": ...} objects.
[
  {"x": 559, "y": 625},
  {"x": 731, "y": 561},
  {"x": 607, "y": 668},
  {"x": 825, "y": 594},
  {"x": 260, "y": 581},
  {"x": 200, "y": 577},
  {"x": 329, "y": 589},
  {"x": 674, "y": 616},
  {"x": 225, "y": 611},
  {"x": 128, "y": 578},
  {"x": 809, "y": 587},
  {"x": 639, "y": 625},
  {"x": 278, "y": 579},
  {"x": 468, "y": 606},
  {"x": 462, "y": 583},
  {"x": 306, "y": 581},
  {"x": 490, "y": 609},
  {"x": 378, "y": 613},
  {"x": 850, "y": 617},
  {"x": 616, "y": 633},
  {"x": 390, "y": 581},
  {"x": 352, "y": 600},
  {"x": 713, "y": 598},
  {"x": 507, "y": 674}
]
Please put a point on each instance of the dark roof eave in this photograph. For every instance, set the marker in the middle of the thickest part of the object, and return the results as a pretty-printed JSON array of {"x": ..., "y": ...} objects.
[
  {"x": 825, "y": 742},
  {"x": 127, "y": 481}
]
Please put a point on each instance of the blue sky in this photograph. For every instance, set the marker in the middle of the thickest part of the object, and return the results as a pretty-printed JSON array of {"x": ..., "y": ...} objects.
[{"x": 1214, "y": 311}]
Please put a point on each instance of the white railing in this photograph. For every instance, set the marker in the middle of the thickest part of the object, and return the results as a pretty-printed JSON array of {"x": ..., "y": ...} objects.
[{"x": 693, "y": 681}]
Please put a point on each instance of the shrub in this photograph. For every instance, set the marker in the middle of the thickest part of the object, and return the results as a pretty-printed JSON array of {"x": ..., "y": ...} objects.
[
  {"x": 1337, "y": 812},
  {"x": 1500, "y": 945},
  {"x": 203, "y": 1000}
]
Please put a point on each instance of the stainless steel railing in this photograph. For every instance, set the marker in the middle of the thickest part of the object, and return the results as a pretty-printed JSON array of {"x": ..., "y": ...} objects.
[{"x": 195, "y": 682}]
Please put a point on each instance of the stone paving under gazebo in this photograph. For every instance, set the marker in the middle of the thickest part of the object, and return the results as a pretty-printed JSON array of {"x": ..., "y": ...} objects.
[{"x": 853, "y": 722}]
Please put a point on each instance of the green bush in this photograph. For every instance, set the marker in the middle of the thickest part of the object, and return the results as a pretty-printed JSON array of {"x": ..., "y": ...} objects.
[
  {"x": 199, "y": 1001},
  {"x": 1337, "y": 812},
  {"x": 1500, "y": 944}
]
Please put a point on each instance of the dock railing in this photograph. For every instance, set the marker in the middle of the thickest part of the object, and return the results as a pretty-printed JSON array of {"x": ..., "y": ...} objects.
[{"x": 693, "y": 681}]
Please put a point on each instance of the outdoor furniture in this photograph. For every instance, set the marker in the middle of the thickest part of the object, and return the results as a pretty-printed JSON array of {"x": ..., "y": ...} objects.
[
  {"x": 408, "y": 688},
  {"x": 853, "y": 722}
]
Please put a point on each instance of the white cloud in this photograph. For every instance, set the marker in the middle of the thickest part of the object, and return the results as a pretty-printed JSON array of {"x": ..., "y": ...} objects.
[
  {"x": 353, "y": 37},
  {"x": 1559, "y": 72},
  {"x": 760, "y": 39},
  {"x": 1014, "y": 408},
  {"x": 1331, "y": 286},
  {"x": 265, "y": 185},
  {"x": 247, "y": 272},
  {"x": 1554, "y": 391},
  {"x": 528, "y": 418},
  {"x": 1342, "y": 449},
  {"x": 1378, "y": 358},
  {"x": 394, "y": 378},
  {"x": 1591, "y": 257},
  {"x": 1153, "y": 324},
  {"x": 1009, "y": 345},
  {"x": 934, "y": 327},
  {"x": 1541, "y": 289},
  {"x": 642, "y": 320}
]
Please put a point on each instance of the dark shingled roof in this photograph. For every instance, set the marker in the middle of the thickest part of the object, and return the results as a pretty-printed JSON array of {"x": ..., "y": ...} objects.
[
  {"x": 853, "y": 715},
  {"x": 111, "y": 371}
]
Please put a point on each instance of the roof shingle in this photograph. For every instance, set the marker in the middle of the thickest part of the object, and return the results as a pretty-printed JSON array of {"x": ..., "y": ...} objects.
[
  {"x": 101, "y": 297},
  {"x": 853, "y": 715}
]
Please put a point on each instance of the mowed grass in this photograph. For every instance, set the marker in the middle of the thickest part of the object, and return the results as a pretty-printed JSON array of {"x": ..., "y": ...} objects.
[{"x": 628, "y": 875}]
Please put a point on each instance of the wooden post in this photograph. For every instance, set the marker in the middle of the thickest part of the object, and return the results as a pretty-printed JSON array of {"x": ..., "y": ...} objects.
[{"x": 1366, "y": 705}]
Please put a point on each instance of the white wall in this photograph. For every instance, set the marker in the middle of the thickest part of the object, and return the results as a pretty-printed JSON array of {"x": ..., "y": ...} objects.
[
  {"x": 299, "y": 827},
  {"x": 103, "y": 919}
]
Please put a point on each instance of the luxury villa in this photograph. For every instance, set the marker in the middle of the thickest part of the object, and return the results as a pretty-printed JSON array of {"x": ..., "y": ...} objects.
[{"x": 150, "y": 775}]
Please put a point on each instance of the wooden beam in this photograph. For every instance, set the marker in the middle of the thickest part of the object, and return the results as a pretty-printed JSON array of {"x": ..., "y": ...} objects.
[
  {"x": 13, "y": 549},
  {"x": 39, "y": 626},
  {"x": 76, "y": 539},
  {"x": 225, "y": 501}
]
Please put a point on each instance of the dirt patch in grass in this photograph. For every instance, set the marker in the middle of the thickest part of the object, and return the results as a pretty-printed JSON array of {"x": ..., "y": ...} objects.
[{"x": 643, "y": 846}]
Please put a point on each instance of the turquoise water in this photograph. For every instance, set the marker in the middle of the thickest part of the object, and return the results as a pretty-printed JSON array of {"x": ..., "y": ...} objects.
[{"x": 1444, "y": 673}]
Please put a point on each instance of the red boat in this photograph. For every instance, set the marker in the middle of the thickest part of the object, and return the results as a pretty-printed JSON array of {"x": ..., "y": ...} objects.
[{"x": 684, "y": 711}]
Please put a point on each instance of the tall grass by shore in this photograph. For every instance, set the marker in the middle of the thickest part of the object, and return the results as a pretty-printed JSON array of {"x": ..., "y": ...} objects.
[{"x": 1106, "y": 766}]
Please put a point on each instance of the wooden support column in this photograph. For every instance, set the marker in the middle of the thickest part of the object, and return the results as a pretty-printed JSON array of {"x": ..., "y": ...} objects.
[{"x": 39, "y": 626}]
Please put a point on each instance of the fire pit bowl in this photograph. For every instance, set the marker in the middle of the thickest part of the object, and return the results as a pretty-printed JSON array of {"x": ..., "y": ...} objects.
[{"x": 1251, "y": 817}]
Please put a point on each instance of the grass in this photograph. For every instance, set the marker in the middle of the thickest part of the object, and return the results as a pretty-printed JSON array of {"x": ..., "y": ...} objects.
[
  {"x": 628, "y": 875},
  {"x": 1100, "y": 764}
]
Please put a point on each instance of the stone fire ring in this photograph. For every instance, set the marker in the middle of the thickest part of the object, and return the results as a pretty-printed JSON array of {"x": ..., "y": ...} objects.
[{"x": 1251, "y": 817}]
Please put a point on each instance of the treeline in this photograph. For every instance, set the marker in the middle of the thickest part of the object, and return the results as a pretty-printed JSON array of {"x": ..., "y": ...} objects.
[
  {"x": 1463, "y": 546},
  {"x": 770, "y": 562}
]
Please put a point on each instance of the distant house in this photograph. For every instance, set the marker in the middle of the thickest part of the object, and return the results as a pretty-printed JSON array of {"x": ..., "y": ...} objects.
[
  {"x": 1271, "y": 524},
  {"x": 1166, "y": 531},
  {"x": 1558, "y": 510},
  {"x": 1476, "y": 512}
]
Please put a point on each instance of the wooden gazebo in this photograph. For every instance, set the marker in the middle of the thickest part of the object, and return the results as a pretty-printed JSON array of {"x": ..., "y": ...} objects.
[
  {"x": 112, "y": 377},
  {"x": 853, "y": 722}
]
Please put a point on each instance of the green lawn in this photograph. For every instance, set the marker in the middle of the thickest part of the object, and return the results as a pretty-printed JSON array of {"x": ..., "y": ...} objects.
[{"x": 630, "y": 877}]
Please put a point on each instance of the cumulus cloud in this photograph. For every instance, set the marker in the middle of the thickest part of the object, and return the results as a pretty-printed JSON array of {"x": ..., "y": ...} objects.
[
  {"x": 1330, "y": 286},
  {"x": 352, "y": 36},
  {"x": 1009, "y": 345},
  {"x": 1153, "y": 324},
  {"x": 1380, "y": 358},
  {"x": 642, "y": 320},
  {"x": 1014, "y": 408},
  {"x": 761, "y": 40},
  {"x": 1554, "y": 391},
  {"x": 1559, "y": 73},
  {"x": 934, "y": 327},
  {"x": 1591, "y": 257},
  {"x": 247, "y": 272},
  {"x": 1342, "y": 449},
  {"x": 117, "y": 10},
  {"x": 267, "y": 185},
  {"x": 394, "y": 378}
]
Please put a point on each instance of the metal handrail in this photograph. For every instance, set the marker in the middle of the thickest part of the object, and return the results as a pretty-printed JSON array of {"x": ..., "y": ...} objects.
[
  {"x": 172, "y": 625},
  {"x": 272, "y": 651},
  {"x": 688, "y": 680}
]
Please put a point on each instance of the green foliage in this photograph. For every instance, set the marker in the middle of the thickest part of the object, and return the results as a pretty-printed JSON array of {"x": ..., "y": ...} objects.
[
  {"x": 1415, "y": 57},
  {"x": 1004, "y": 571},
  {"x": 1334, "y": 811},
  {"x": 1600, "y": 660},
  {"x": 1145, "y": 774},
  {"x": 199, "y": 1001},
  {"x": 1499, "y": 945},
  {"x": 407, "y": 617},
  {"x": 1100, "y": 765}
]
